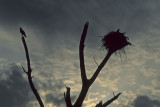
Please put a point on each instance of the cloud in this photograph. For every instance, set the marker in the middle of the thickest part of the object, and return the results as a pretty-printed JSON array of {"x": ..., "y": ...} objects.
[
  {"x": 52, "y": 24},
  {"x": 57, "y": 100},
  {"x": 14, "y": 89},
  {"x": 145, "y": 101},
  {"x": 54, "y": 28},
  {"x": 60, "y": 19}
]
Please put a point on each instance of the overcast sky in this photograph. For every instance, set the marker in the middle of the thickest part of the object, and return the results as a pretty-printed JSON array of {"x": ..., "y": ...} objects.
[{"x": 53, "y": 29}]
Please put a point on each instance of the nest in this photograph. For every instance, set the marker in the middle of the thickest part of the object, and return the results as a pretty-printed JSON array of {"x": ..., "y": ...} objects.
[{"x": 114, "y": 41}]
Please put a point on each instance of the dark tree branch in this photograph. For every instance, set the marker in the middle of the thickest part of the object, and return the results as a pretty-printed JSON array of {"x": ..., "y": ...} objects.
[
  {"x": 88, "y": 83},
  {"x": 99, "y": 104},
  {"x": 85, "y": 82},
  {"x": 85, "y": 85},
  {"x": 29, "y": 74},
  {"x": 67, "y": 97},
  {"x": 81, "y": 53},
  {"x": 111, "y": 100},
  {"x": 27, "y": 55},
  {"x": 24, "y": 70},
  {"x": 108, "y": 102},
  {"x": 82, "y": 95}
]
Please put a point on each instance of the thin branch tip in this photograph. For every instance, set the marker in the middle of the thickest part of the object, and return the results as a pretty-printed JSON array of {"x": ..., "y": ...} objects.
[
  {"x": 95, "y": 61},
  {"x": 87, "y": 23},
  {"x": 24, "y": 70}
]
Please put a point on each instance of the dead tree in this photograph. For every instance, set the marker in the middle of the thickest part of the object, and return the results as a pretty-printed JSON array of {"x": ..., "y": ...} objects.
[
  {"x": 112, "y": 42},
  {"x": 29, "y": 74}
]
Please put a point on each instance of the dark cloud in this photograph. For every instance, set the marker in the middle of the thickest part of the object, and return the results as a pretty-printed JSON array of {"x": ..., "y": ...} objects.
[
  {"x": 14, "y": 89},
  {"x": 23, "y": 12},
  {"x": 66, "y": 18},
  {"x": 145, "y": 101},
  {"x": 56, "y": 23}
]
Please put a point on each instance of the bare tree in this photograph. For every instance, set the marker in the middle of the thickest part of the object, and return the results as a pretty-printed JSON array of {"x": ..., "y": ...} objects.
[
  {"x": 29, "y": 74},
  {"x": 112, "y": 42}
]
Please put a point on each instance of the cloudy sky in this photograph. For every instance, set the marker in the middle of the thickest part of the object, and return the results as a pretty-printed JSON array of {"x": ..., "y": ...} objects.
[{"x": 54, "y": 28}]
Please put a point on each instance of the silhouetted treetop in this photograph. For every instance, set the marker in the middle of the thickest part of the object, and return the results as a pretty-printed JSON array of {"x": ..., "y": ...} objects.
[{"x": 114, "y": 41}]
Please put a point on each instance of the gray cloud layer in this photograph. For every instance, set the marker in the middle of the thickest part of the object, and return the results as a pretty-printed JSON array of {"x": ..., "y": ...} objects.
[
  {"x": 58, "y": 18},
  {"x": 145, "y": 101},
  {"x": 56, "y": 23},
  {"x": 56, "y": 26},
  {"x": 14, "y": 90}
]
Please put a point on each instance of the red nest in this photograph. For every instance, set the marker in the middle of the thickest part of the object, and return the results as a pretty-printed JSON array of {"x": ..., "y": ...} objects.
[{"x": 114, "y": 41}]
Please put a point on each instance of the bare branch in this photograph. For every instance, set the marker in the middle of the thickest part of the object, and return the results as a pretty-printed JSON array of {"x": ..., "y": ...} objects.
[
  {"x": 24, "y": 70},
  {"x": 85, "y": 85},
  {"x": 111, "y": 100},
  {"x": 67, "y": 97},
  {"x": 85, "y": 82},
  {"x": 95, "y": 61},
  {"x": 99, "y": 104},
  {"x": 34, "y": 90},
  {"x": 27, "y": 55},
  {"x": 108, "y": 102},
  {"x": 81, "y": 53}
]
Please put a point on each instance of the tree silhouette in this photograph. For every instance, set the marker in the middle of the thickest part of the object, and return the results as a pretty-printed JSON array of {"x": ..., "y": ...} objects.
[
  {"x": 112, "y": 42},
  {"x": 29, "y": 74}
]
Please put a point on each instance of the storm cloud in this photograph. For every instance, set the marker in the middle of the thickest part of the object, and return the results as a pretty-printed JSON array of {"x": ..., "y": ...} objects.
[
  {"x": 66, "y": 18},
  {"x": 14, "y": 89},
  {"x": 53, "y": 29},
  {"x": 145, "y": 101}
]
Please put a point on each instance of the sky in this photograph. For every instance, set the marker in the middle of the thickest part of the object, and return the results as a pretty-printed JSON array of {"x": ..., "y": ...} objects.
[{"x": 53, "y": 29}]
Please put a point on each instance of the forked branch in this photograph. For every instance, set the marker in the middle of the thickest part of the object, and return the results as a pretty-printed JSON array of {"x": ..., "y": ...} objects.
[{"x": 86, "y": 83}]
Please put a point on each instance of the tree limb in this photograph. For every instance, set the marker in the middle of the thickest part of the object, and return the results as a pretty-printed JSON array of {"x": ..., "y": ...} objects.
[
  {"x": 85, "y": 82},
  {"x": 95, "y": 61},
  {"x": 85, "y": 85},
  {"x": 34, "y": 90},
  {"x": 108, "y": 102},
  {"x": 81, "y": 53},
  {"x": 24, "y": 70},
  {"x": 111, "y": 100},
  {"x": 67, "y": 97}
]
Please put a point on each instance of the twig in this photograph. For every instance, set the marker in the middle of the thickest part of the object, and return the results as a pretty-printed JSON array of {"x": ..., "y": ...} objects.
[
  {"x": 24, "y": 70},
  {"x": 95, "y": 61},
  {"x": 108, "y": 102},
  {"x": 111, "y": 100}
]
